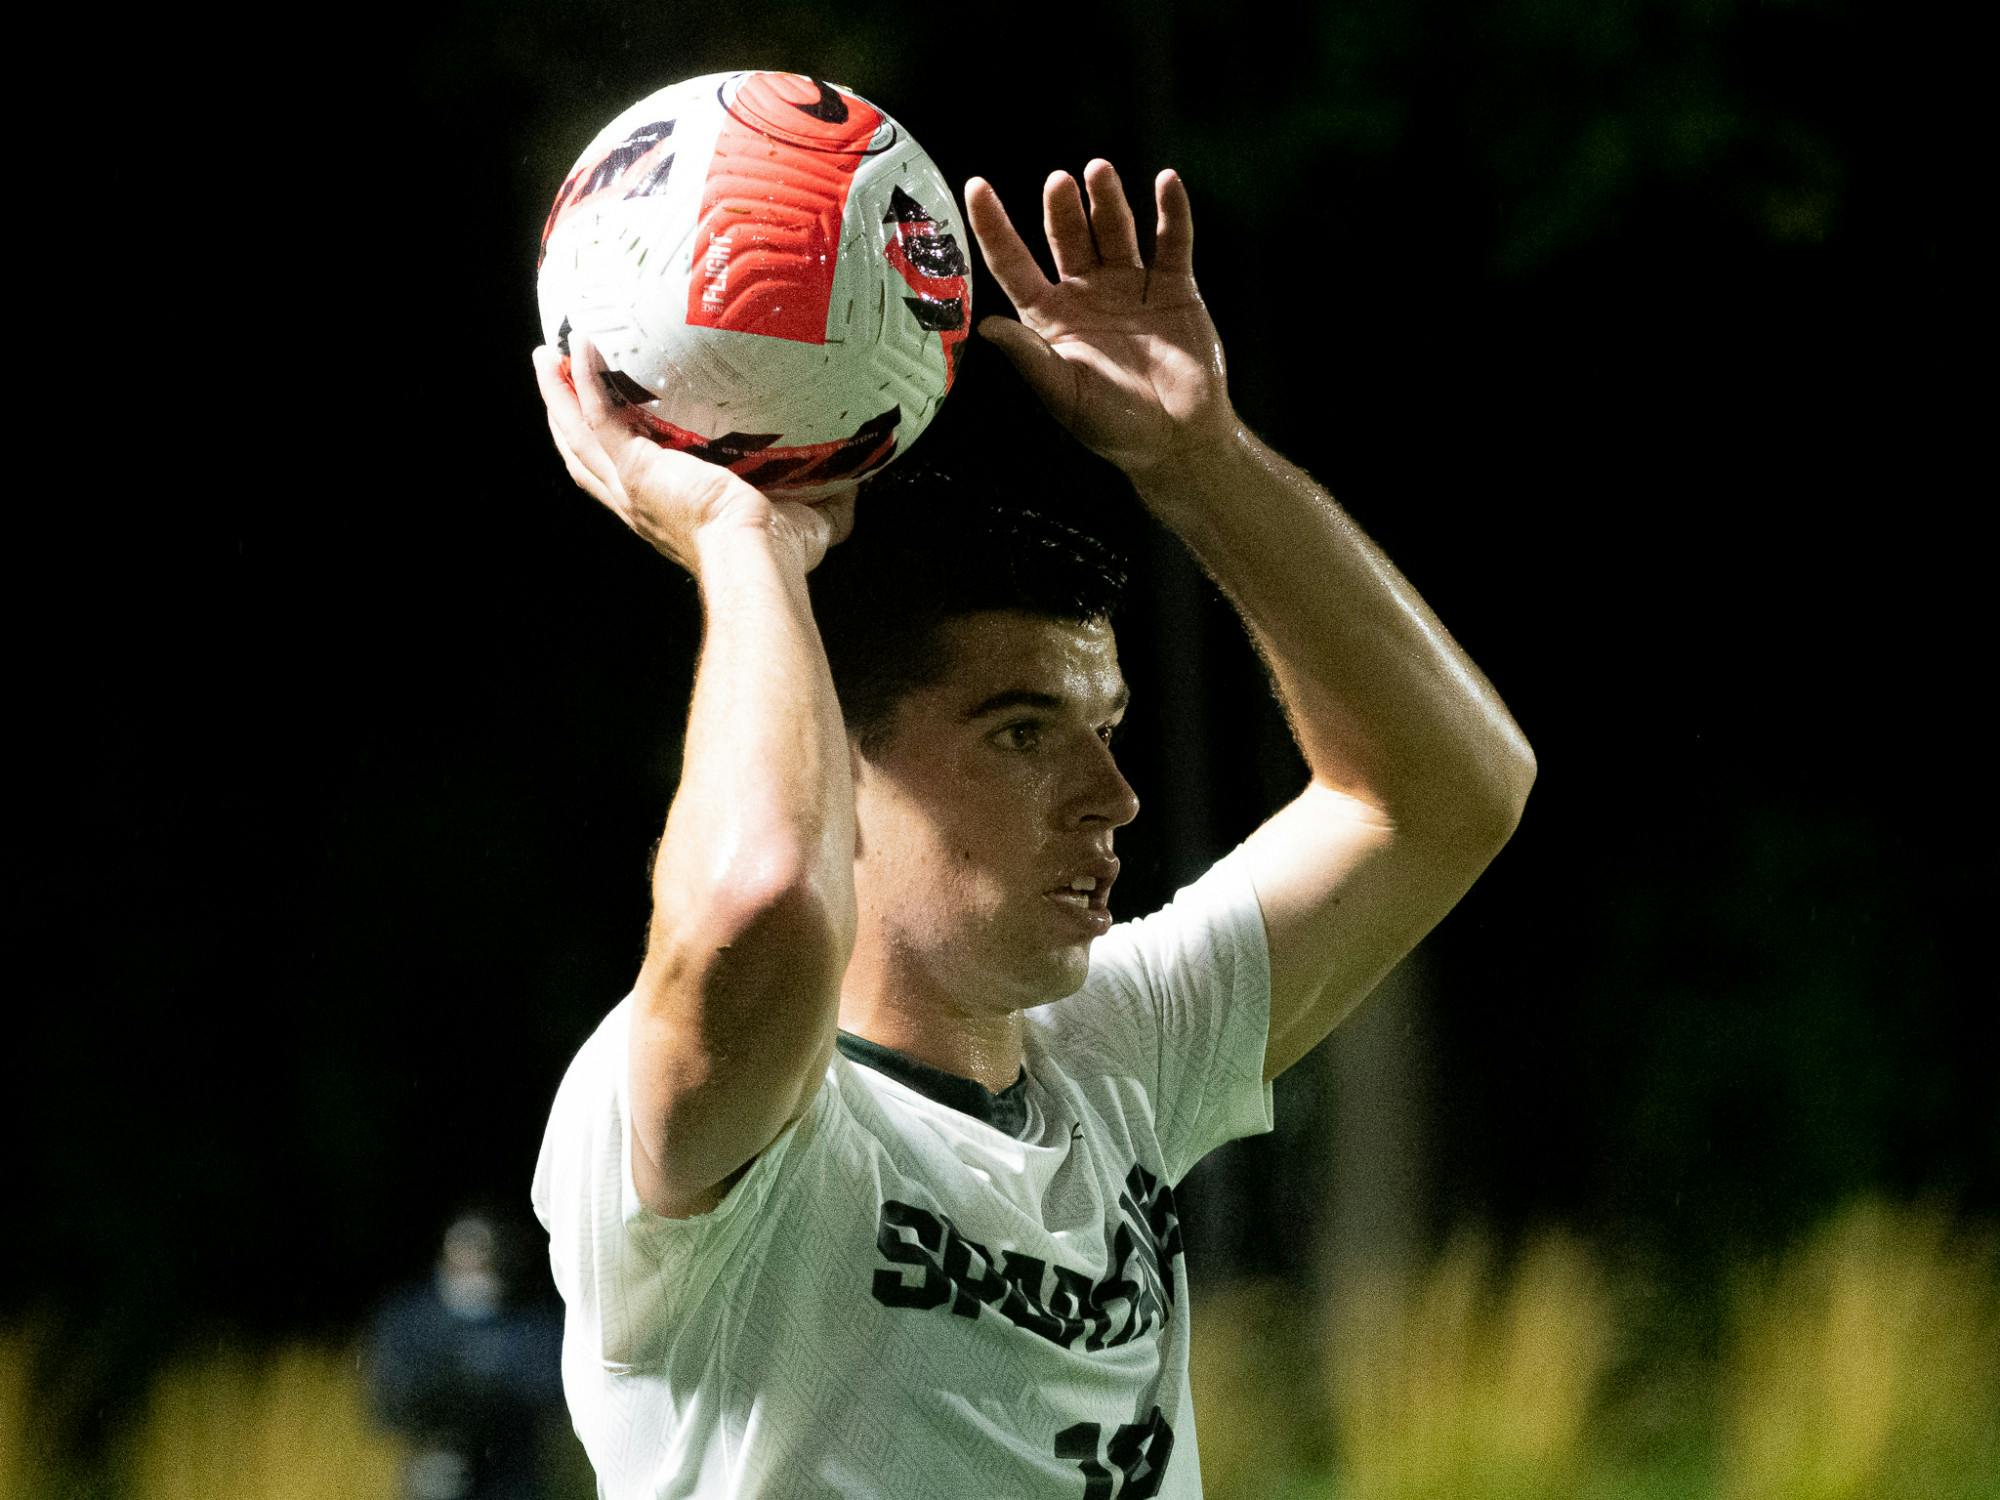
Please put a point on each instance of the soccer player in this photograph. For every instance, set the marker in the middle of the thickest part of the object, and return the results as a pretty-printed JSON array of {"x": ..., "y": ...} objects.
[{"x": 867, "y": 1188}]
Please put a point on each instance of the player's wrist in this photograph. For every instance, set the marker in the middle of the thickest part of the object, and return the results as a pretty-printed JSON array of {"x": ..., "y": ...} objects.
[
  {"x": 725, "y": 538},
  {"x": 746, "y": 540}
]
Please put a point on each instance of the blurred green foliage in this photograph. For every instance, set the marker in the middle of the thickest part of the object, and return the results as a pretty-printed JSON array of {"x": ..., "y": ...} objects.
[{"x": 1863, "y": 1364}]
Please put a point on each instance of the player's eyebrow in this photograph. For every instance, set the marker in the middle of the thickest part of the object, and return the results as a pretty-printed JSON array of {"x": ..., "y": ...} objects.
[{"x": 1032, "y": 698}]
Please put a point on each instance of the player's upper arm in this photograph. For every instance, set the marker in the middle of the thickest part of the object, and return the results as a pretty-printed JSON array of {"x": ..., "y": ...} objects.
[
  {"x": 1346, "y": 894},
  {"x": 732, "y": 1032}
]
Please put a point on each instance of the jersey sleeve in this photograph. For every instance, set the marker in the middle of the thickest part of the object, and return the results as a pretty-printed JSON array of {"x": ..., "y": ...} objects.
[
  {"x": 1182, "y": 1000},
  {"x": 632, "y": 1280}
]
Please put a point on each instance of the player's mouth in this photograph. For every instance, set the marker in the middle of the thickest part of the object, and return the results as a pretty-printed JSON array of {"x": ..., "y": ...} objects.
[{"x": 1087, "y": 895}]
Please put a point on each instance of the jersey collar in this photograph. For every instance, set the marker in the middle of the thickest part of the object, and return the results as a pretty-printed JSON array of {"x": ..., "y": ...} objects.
[{"x": 1006, "y": 1111}]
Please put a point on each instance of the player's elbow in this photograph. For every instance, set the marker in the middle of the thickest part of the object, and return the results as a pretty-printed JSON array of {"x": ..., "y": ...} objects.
[
  {"x": 1471, "y": 815},
  {"x": 1516, "y": 781},
  {"x": 772, "y": 893},
  {"x": 1494, "y": 794},
  {"x": 795, "y": 922},
  {"x": 769, "y": 937},
  {"x": 782, "y": 896}
]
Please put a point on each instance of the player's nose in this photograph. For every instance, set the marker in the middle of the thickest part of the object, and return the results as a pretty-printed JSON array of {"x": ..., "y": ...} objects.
[{"x": 1107, "y": 795}]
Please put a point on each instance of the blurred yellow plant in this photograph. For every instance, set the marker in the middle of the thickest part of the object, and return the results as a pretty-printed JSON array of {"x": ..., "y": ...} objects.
[
  {"x": 1472, "y": 1383},
  {"x": 1864, "y": 1365},
  {"x": 22, "y": 1476},
  {"x": 287, "y": 1426},
  {"x": 1867, "y": 1367},
  {"x": 1255, "y": 1378}
]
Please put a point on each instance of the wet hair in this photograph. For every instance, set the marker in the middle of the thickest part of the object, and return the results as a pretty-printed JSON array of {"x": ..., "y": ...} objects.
[{"x": 929, "y": 548}]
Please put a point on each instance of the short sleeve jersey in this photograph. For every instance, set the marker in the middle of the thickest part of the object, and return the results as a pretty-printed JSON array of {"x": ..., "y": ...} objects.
[{"x": 902, "y": 1299}]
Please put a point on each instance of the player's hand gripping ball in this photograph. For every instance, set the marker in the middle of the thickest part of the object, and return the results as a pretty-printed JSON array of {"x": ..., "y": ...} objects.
[{"x": 773, "y": 271}]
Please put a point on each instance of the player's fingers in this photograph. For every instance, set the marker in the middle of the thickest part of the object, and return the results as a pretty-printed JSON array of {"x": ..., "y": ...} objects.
[
  {"x": 807, "y": 524},
  {"x": 593, "y": 484},
  {"x": 1067, "y": 227},
  {"x": 839, "y": 513},
  {"x": 587, "y": 370},
  {"x": 565, "y": 417},
  {"x": 614, "y": 431},
  {"x": 1111, "y": 216},
  {"x": 557, "y": 395},
  {"x": 1006, "y": 254},
  {"x": 575, "y": 440},
  {"x": 836, "y": 493},
  {"x": 1173, "y": 236},
  {"x": 564, "y": 391}
]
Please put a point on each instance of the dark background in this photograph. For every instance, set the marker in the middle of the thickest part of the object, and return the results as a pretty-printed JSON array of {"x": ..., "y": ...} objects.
[{"x": 1632, "y": 330}]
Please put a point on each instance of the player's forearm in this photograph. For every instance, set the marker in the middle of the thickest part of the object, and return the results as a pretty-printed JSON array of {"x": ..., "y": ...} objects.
[
  {"x": 760, "y": 839},
  {"x": 1382, "y": 701}
]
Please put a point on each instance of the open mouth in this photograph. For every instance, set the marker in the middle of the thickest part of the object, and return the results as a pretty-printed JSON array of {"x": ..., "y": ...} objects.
[{"x": 1084, "y": 893}]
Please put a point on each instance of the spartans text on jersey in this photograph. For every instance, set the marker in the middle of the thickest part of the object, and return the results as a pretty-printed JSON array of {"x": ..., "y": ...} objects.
[{"x": 1058, "y": 1302}]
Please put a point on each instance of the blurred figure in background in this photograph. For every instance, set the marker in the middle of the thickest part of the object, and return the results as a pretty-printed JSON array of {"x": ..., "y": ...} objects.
[{"x": 467, "y": 1369}]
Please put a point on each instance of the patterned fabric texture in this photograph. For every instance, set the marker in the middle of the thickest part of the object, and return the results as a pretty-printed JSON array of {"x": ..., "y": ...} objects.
[{"x": 899, "y": 1299}]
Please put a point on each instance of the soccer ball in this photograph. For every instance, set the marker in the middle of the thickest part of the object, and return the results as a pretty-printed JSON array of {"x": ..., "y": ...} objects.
[{"x": 772, "y": 269}]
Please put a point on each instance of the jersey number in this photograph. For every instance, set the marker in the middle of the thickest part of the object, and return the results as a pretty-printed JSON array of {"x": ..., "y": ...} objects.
[{"x": 1138, "y": 1451}]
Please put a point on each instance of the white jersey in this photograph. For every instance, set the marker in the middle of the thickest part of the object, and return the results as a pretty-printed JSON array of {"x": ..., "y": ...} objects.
[{"x": 902, "y": 1299}]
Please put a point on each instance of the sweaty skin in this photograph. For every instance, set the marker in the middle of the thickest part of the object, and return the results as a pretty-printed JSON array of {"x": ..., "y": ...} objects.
[
  {"x": 914, "y": 896},
  {"x": 996, "y": 790}
]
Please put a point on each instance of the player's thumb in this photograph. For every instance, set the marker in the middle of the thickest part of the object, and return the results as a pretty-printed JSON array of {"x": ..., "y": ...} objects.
[{"x": 1047, "y": 374}]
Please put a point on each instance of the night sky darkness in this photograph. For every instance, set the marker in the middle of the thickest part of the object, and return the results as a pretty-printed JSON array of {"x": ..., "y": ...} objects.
[{"x": 1631, "y": 331}]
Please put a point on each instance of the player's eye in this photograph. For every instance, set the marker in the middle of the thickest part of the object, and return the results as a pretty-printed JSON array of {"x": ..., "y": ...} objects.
[
  {"x": 1109, "y": 732},
  {"x": 1024, "y": 734}
]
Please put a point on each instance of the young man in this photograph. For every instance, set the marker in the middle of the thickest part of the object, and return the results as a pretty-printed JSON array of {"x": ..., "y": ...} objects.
[{"x": 867, "y": 1188}]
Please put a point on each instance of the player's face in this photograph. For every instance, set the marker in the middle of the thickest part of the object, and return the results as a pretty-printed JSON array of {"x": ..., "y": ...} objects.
[{"x": 986, "y": 822}]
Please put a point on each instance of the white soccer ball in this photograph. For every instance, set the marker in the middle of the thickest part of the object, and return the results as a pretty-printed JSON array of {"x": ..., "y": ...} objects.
[{"x": 773, "y": 271}]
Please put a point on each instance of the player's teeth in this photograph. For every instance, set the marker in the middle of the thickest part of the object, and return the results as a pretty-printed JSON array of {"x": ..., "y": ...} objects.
[{"x": 1083, "y": 883}]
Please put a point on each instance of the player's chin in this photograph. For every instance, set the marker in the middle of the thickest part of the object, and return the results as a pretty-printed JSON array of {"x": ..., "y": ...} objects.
[{"x": 1061, "y": 973}]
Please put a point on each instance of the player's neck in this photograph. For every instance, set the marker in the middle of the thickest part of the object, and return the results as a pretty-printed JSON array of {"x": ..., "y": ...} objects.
[{"x": 984, "y": 1047}]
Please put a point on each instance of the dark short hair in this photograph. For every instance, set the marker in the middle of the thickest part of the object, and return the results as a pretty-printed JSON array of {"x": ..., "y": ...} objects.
[{"x": 929, "y": 548}]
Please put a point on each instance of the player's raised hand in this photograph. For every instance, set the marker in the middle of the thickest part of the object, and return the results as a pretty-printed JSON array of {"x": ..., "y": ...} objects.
[
  {"x": 671, "y": 499},
  {"x": 1124, "y": 354}
]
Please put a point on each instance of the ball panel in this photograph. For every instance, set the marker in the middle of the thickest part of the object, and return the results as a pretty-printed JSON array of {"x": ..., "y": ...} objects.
[
  {"x": 927, "y": 256},
  {"x": 645, "y": 152},
  {"x": 800, "y": 470},
  {"x": 805, "y": 113},
  {"x": 624, "y": 257}
]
